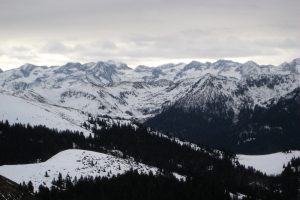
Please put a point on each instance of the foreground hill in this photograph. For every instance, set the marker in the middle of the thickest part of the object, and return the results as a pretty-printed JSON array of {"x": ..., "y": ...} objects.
[
  {"x": 73, "y": 163},
  {"x": 209, "y": 173}
]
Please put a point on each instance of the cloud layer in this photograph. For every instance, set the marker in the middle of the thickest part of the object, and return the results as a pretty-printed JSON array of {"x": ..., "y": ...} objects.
[{"x": 53, "y": 32}]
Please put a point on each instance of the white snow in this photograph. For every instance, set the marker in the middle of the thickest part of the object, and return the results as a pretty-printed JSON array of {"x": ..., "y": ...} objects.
[
  {"x": 18, "y": 110},
  {"x": 237, "y": 196},
  {"x": 271, "y": 164},
  {"x": 75, "y": 163}
]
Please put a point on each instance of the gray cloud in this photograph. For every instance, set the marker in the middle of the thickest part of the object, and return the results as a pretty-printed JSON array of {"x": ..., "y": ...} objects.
[
  {"x": 56, "y": 47},
  {"x": 57, "y": 31}
]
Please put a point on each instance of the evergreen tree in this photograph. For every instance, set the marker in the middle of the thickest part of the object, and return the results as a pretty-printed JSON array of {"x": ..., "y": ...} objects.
[{"x": 30, "y": 186}]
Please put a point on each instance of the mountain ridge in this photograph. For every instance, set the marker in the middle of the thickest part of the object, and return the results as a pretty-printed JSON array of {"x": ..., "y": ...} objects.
[
  {"x": 220, "y": 90},
  {"x": 219, "y": 62}
]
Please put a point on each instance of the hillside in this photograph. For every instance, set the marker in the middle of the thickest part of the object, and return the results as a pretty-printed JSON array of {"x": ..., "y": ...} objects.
[
  {"x": 12, "y": 191},
  {"x": 72, "y": 163}
]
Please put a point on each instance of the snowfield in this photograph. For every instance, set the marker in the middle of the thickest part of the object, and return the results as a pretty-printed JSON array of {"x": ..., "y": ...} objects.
[
  {"x": 19, "y": 110},
  {"x": 75, "y": 163},
  {"x": 271, "y": 164}
]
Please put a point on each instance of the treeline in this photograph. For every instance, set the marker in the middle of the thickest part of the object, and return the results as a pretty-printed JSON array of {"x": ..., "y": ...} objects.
[
  {"x": 25, "y": 144},
  {"x": 21, "y": 144},
  {"x": 132, "y": 186},
  {"x": 290, "y": 180}
]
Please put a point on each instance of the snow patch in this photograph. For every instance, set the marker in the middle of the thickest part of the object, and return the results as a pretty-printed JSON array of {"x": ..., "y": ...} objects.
[{"x": 271, "y": 164}]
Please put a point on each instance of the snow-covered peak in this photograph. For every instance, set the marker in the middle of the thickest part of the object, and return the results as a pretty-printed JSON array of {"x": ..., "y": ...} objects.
[
  {"x": 103, "y": 73},
  {"x": 143, "y": 68},
  {"x": 296, "y": 61},
  {"x": 292, "y": 67},
  {"x": 71, "y": 65},
  {"x": 209, "y": 91},
  {"x": 193, "y": 65},
  {"x": 166, "y": 66},
  {"x": 27, "y": 65},
  {"x": 249, "y": 68},
  {"x": 222, "y": 63},
  {"x": 251, "y": 63},
  {"x": 69, "y": 68},
  {"x": 26, "y": 69},
  {"x": 109, "y": 66},
  {"x": 118, "y": 65}
]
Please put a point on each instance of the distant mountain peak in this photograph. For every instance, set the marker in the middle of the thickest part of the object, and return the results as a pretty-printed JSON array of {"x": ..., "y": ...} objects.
[
  {"x": 223, "y": 61},
  {"x": 166, "y": 66},
  {"x": 118, "y": 65},
  {"x": 143, "y": 68},
  {"x": 193, "y": 65},
  {"x": 69, "y": 68},
  {"x": 250, "y": 63},
  {"x": 72, "y": 64},
  {"x": 27, "y": 68},
  {"x": 293, "y": 66},
  {"x": 30, "y": 67},
  {"x": 296, "y": 61}
]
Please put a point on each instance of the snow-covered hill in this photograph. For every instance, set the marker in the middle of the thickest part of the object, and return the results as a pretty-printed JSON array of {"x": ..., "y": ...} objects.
[
  {"x": 19, "y": 110},
  {"x": 271, "y": 164},
  {"x": 75, "y": 163}
]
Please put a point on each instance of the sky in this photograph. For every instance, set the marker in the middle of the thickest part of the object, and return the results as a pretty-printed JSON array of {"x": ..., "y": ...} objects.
[{"x": 148, "y": 32}]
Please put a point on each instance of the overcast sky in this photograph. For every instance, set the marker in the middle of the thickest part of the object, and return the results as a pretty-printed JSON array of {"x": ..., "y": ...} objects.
[{"x": 151, "y": 32}]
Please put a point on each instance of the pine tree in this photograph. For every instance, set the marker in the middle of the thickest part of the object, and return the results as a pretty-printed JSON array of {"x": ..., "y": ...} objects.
[{"x": 30, "y": 186}]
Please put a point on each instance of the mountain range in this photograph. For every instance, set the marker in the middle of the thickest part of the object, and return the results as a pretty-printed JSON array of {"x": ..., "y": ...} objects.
[{"x": 244, "y": 107}]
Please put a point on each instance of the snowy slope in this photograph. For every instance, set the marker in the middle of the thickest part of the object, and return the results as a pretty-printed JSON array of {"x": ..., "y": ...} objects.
[
  {"x": 18, "y": 110},
  {"x": 75, "y": 163},
  {"x": 271, "y": 164}
]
